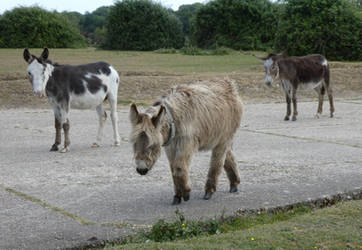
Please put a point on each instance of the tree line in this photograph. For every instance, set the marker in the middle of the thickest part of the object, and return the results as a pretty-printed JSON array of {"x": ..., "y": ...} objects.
[{"x": 297, "y": 27}]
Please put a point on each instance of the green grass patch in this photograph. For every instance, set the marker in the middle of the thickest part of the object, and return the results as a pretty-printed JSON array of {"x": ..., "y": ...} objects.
[
  {"x": 337, "y": 227},
  {"x": 123, "y": 61}
]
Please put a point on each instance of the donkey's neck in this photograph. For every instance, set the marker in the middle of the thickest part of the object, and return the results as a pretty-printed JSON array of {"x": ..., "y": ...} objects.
[{"x": 166, "y": 132}]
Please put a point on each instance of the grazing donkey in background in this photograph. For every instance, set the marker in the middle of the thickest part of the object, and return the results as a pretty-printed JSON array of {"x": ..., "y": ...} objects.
[
  {"x": 83, "y": 86},
  {"x": 190, "y": 118},
  {"x": 311, "y": 71}
]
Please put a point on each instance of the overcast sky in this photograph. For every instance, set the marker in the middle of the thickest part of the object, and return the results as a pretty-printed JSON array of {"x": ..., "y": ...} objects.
[{"x": 79, "y": 5}]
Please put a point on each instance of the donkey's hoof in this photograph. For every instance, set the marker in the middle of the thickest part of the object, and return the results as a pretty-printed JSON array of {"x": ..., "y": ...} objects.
[
  {"x": 331, "y": 116},
  {"x": 176, "y": 200},
  {"x": 64, "y": 150},
  {"x": 317, "y": 116},
  {"x": 117, "y": 144},
  {"x": 294, "y": 118},
  {"x": 186, "y": 196},
  {"x": 286, "y": 118},
  {"x": 54, "y": 147},
  {"x": 233, "y": 189},
  {"x": 95, "y": 145},
  {"x": 207, "y": 196}
]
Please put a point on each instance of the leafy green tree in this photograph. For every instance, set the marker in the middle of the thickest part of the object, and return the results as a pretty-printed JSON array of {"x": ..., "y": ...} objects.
[
  {"x": 238, "y": 24},
  {"x": 187, "y": 13},
  {"x": 142, "y": 25},
  {"x": 90, "y": 22},
  {"x": 36, "y": 27},
  {"x": 329, "y": 27}
]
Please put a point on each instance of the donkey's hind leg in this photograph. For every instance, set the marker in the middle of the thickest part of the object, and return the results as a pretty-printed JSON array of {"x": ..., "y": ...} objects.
[
  {"x": 66, "y": 127},
  {"x": 113, "y": 103},
  {"x": 102, "y": 117},
  {"x": 320, "y": 90},
  {"x": 217, "y": 162},
  {"x": 231, "y": 170}
]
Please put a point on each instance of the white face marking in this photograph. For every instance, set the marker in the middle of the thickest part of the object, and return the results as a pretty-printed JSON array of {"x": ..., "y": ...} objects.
[
  {"x": 39, "y": 76},
  {"x": 324, "y": 63},
  {"x": 268, "y": 78}
]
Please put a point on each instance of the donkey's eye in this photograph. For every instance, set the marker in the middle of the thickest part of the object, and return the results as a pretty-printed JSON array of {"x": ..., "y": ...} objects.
[{"x": 29, "y": 73}]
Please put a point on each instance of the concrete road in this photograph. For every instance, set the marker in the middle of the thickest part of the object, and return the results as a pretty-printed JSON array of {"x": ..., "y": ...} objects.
[{"x": 50, "y": 200}]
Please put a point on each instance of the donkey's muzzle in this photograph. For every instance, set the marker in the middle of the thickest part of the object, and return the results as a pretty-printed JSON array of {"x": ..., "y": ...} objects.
[{"x": 142, "y": 171}]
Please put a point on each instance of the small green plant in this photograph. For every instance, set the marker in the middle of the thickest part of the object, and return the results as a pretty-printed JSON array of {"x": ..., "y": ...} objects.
[
  {"x": 192, "y": 51},
  {"x": 180, "y": 229}
]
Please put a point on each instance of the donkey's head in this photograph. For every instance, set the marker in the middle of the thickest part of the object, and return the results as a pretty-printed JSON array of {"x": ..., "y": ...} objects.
[
  {"x": 146, "y": 138},
  {"x": 271, "y": 67},
  {"x": 39, "y": 70}
]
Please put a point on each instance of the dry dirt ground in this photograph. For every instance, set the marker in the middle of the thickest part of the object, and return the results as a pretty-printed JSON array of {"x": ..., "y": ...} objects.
[{"x": 145, "y": 87}]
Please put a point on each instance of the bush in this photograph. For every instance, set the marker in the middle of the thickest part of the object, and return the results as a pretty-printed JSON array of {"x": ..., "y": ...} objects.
[
  {"x": 142, "y": 25},
  {"x": 36, "y": 28},
  {"x": 328, "y": 27},
  {"x": 237, "y": 24}
]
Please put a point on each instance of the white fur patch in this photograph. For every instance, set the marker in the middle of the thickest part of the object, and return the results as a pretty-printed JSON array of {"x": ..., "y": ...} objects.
[{"x": 40, "y": 75}]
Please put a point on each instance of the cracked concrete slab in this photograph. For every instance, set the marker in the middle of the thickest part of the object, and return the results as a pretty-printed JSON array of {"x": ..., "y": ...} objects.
[{"x": 51, "y": 200}]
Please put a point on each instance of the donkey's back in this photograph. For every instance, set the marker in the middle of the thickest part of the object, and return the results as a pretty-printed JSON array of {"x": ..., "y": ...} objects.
[{"x": 210, "y": 112}]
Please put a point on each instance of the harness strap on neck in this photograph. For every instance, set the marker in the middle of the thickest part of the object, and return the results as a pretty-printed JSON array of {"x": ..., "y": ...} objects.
[{"x": 171, "y": 123}]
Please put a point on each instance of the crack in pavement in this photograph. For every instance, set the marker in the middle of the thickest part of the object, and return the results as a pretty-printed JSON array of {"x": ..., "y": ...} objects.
[
  {"x": 303, "y": 138},
  {"x": 69, "y": 215}
]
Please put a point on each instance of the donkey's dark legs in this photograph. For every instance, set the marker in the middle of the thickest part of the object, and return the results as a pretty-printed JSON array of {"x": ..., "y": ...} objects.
[
  {"x": 294, "y": 100},
  {"x": 231, "y": 170},
  {"x": 66, "y": 127},
  {"x": 288, "y": 101},
  {"x": 329, "y": 91},
  {"x": 217, "y": 162},
  {"x": 330, "y": 97},
  {"x": 320, "y": 91},
  {"x": 58, "y": 134}
]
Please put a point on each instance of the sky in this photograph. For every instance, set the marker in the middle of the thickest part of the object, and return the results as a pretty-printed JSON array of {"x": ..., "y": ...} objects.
[{"x": 81, "y": 6}]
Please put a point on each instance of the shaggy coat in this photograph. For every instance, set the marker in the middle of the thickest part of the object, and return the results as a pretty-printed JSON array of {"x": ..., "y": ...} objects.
[{"x": 190, "y": 118}]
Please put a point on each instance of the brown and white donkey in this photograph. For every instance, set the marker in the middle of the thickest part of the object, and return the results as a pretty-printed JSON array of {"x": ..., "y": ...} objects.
[{"x": 311, "y": 71}]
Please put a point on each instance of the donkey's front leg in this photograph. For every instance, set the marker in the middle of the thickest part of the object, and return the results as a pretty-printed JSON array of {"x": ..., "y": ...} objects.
[
  {"x": 58, "y": 134},
  {"x": 180, "y": 174},
  {"x": 288, "y": 101},
  {"x": 294, "y": 99},
  {"x": 66, "y": 127},
  {"x": 217, "y": 162}
]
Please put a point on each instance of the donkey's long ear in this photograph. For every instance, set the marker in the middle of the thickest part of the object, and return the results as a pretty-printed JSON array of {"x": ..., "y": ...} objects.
[
  {"x": 156, "y": 119},
  {"x": 45, "y": 54},
  {"x": 26, "y": 55},
  {"x": 133, "y": 114}
]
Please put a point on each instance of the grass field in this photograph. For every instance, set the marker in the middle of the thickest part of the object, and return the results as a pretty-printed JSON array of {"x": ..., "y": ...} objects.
[
  {"x": 337, "y": 227},
  {"x": 147, "y": 75}
]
